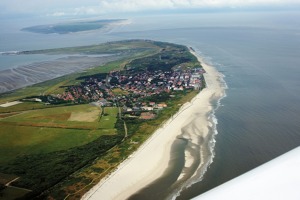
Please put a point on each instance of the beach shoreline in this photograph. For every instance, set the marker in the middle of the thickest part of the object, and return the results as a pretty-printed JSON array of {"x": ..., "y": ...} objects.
[{"x": 150, "y": 161}]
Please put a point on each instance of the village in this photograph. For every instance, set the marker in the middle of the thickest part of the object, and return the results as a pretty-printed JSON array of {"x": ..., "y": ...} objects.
[
  {"x": 137, "y": 93},
  {"x": 85, "y": 123}
]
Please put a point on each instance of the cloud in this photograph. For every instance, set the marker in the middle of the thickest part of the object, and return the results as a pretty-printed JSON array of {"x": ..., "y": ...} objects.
[
  {"x": 95, "y": 7},
  {"x": 126, "y": 6},
  {"x": 58, "y": 14},
  {"x": 137, "y": 5},
  {"x": 77, "y": 12}
]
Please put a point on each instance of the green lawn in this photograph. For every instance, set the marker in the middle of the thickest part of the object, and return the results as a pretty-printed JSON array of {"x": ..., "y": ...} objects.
[
  {"x": 77, "y": 117},
  {"x": 118, "y": 91},
  {"x": 109, "y": 118},
  {"x": 18, "y": 140}
]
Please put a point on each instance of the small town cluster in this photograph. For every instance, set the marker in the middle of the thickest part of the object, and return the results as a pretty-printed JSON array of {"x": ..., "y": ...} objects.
[{"x": 131, "y": 91}]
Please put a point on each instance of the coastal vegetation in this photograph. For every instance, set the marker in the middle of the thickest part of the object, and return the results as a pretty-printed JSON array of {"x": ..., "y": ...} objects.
[
  {"x": 69, "y": 133},
  {"x": 72, "y": 27},
  {"x": 124, "y": 51}
]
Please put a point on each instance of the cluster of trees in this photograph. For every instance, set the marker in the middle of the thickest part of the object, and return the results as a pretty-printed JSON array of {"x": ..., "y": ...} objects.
[
  {"x": 162, "y": 97},
  {"x": 99, "y": 76},
  {"x": 170, "y": 56},
  {"x": 39, "y": 172},
  {"x": 47, "y": 99}
]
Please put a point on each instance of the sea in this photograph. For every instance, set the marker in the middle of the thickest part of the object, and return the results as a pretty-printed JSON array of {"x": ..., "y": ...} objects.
[{"x": 258, "y": 53}]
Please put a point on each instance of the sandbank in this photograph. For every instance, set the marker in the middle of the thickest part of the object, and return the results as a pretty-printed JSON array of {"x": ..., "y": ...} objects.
[
  {"x": 26, "y": 75},
  {"x": 8, "y": 104},
  {"x": 149, "y": 162}
]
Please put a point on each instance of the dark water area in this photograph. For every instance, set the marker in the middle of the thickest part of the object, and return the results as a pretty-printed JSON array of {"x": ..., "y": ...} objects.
[
  {"x": 249, "y": 135},
  {"x": 160, "y": 187},
  {"x": 259, "y": 118},
  {"x": 258, "y": 53}
]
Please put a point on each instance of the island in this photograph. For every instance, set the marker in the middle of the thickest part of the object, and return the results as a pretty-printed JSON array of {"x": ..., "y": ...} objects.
[
  {"x": 59, "y": 138},
  {"x": 76, "y": 26}
]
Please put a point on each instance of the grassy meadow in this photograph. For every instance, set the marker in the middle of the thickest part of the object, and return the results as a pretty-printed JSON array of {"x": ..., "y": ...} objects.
[
  {"x": 53, "y": 129},
  {"x": 44, "y": 146},
  {"x": 76, "y": 117},
  {"x": 61, "y": 151}
]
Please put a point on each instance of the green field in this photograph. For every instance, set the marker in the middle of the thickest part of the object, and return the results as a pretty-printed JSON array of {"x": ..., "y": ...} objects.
[
  {"x": 64, "y": 149},
  {"x": 43, "y": 144},
  {"x": 47, "y": 130},
  {"x": 18, "y": 141},
  {"x": 109, "y": 118},
  {"x": 76, "y": 117},
  {"x": 46, "y": 145}
]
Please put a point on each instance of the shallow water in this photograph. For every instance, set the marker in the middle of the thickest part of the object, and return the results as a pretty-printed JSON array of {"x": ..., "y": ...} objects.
[{"x": 160, "y": 188}]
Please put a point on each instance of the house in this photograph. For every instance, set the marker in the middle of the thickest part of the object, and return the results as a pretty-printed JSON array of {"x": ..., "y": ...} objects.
[
  {"x": 147, "y": 108},
  {"x": 104, "y": 102},
  {"x": 151, "y": 103},
  {"x": 135, "y": 108},
  {"x": 162, "y": 105}
]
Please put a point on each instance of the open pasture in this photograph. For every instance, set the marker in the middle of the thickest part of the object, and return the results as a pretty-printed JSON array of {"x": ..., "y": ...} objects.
[
  {"x": 53, "y": 129},
  {"x": 23, "y": 140},
  {"x": 74, "y": 117}
]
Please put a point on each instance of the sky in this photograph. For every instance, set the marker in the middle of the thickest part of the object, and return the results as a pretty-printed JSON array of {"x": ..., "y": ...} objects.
[{"x": 59, "y": 8}]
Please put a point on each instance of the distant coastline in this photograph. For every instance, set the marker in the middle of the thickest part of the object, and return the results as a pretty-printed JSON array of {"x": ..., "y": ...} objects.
[
  {"x": 66, "y": 61},
  {"x": 74, "y": 27},
  {"x": 26, "y": 75}
]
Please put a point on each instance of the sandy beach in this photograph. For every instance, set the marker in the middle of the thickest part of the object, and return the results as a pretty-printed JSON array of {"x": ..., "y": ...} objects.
[{"x": 193, "y": 123}]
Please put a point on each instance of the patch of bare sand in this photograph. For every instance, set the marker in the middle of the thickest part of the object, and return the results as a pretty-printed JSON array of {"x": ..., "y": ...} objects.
[
  {"x": 90, "y": 116},
  {"x": 151, "y": 159}
]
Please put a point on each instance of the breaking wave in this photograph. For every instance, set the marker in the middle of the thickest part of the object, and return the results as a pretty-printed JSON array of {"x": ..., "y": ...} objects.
[{"x": 206, "y": 150}]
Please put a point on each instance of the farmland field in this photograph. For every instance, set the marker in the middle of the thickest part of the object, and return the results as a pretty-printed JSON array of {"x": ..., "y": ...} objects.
[
  {"x": 59, "y": 115},
  {"x": 53, "y": 129},
  {"x": 60, "y": 149},
  {"x": 43, "y": 144},
  {"x": 50, "y": 144}
]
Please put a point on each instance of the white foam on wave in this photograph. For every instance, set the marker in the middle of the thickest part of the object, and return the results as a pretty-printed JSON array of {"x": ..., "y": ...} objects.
[
  {"x": 212, "y": 123},
  {"x": 9, "y": 52}
]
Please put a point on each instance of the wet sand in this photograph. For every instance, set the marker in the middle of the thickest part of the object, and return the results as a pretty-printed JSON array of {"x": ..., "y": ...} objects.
[
  {"x": 193, "y": 124},
  {"x": 38, "y": 72}
]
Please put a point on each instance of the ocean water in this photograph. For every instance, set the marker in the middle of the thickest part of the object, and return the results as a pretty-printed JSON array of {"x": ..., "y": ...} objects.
[
  {"x": 258, "y": 54},
  {"x": 258, "y": 119}
]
